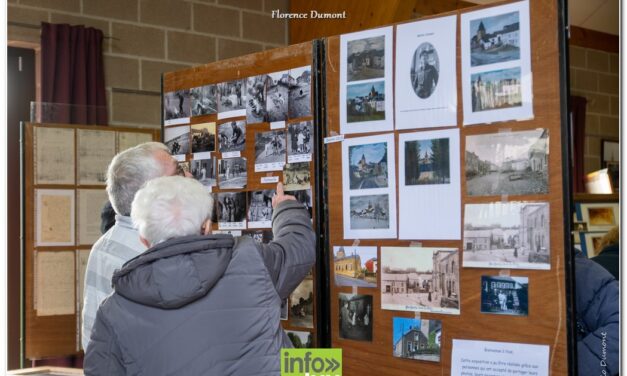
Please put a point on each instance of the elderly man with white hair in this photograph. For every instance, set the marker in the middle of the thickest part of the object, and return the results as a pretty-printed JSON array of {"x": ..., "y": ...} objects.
[
  {"x": 127, "y": 173},
  {"x": 196, "y": 303}
]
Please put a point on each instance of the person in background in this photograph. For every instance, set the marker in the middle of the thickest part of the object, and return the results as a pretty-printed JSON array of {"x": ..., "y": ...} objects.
[
  {"x": 608, "y": 255},
  {"x": 128, "y": 171},
  {"x": 196, "y": 303}
]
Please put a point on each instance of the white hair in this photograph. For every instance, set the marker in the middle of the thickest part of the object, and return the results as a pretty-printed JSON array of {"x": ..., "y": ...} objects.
[
  {"x": 129, "y": 170},
  {"x": 170, "y": 207}
]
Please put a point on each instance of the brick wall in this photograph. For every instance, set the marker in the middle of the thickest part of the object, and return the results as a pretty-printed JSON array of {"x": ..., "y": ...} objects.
[
  {"x": 594, "y": 75},
  {"x": 149, "y": 37}
]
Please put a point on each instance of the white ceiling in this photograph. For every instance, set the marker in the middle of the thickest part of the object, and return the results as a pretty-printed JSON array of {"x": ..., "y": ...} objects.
[{"x": 599, "y": 15}]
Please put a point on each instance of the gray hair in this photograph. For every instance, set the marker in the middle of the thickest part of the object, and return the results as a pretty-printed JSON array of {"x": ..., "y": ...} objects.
[
  {"x": 130, "y": 170},
  {"x": 171, "y": 207}
]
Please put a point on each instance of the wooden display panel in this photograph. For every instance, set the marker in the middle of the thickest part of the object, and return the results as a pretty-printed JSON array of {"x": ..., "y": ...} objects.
[
  {"x": 276, "y": 60},
  {"x": 53, "y": 335},
  {"x": 546, "y": 323}
]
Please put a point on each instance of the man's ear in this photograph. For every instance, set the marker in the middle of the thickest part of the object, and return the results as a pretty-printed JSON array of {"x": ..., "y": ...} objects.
[
  {"x": 144, "y": 241},
  {"x": 206, "y": 227}
]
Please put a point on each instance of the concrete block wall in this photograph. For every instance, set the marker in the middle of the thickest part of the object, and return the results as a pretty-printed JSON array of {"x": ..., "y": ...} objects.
[
  {"x": 594, "y": 75},
  {"x": 148, "y": 37}
]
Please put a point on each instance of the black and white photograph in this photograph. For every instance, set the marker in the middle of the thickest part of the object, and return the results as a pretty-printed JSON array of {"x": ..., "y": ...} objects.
[
  {"x": 355, "y": 266},
  {"x": 366, "y": 58},
  {"x": 417, "y": 339},
  {"x": 256, "y": 99},
  {"x": 204, "y": 100},
  {"x": 425, "y": 70},
  {"x": 420, "y": 279},
  {"x": 285, "y": 309},
  {"x": 296, "y": 176},
  {"x": 177, "y": 139},
  {"x": 270, "y": 150},
  {"x": 504, "y": 295},
  {"x": 427, "y": 162},
  {"x": 304, "y": 197},
  {"x": 260, "y": 208},
  {"x": 356, "y": 316},
  {"x": 277, "y": 93},
  {"x": 368, "y": 165},
  {"x": 232, "y": 99},
  {"x": 300, "y": 340},
  {"x": 365, "y": 102},
  {"x": 300, "y": 141},
  {"x": 495, "y": 39},
  {"x": 261, "y": 237},
  {"x": 231, "y": 210},
  {"x": 177, "y": 107},
  {"x": 302, "y": 304},
  {"x": 507, "y": 163},
  {"x": 300, "y": 92},
  {"x": 496, "y": 89},
  {"x": 512, "y": 235},
  {"x": 232, "y": 138},
  {"x": 369, "y": 212},
  {"x": 183, "y": 166},
  {"x": 203, "y": 137},
  {"x": 204, "y": 170},
  {"x": 232, "y": 173}
]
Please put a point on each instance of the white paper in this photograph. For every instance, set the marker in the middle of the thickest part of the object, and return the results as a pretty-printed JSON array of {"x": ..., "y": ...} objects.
[
  {"x": 333, "y": 139},
  {"x": 430, "y": 207},
  {"x": 277, "y": 124},
  {"x": 96, "y": 149},
  {"x": 53, "y": 150},
  {"x": 486, "y": 358},
  {"x": 204, "y": 155},
  {"x": 54, "y": 217},
  {"x": 369, "y": 206},
  {"x": 55, "y": 283},
  {"x": 232, "y": 225},
  {"x": 232, "y": 154},
  {"x": 368, "y": 84},
  {"x": 507, "y": 64},
  {"x": 426, "y": 95},
  {"x": 90, "y": 203},
  {"x": 179, "y": 157},
  {"x": 228, "y": 232},
  {"x": 269, "y": 179}
]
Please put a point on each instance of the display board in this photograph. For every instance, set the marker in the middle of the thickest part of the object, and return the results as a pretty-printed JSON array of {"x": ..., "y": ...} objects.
[
  {"x": 442, "y": 231},
  {"x": 63, "y": 172},
  {"x": 240, "y": 126}
]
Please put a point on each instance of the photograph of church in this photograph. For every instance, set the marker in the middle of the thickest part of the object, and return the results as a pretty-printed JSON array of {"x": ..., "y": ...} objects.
[{"x": 355, "y": 266}]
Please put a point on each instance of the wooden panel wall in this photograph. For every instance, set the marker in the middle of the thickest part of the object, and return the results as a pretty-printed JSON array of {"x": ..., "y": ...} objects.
[{"x": 547, "y": 319}]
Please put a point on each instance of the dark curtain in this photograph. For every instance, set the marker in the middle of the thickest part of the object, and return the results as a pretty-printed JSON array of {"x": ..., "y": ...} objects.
[
  {"x": 72, "y": 78},
  {"x": 578, "y": 132}
]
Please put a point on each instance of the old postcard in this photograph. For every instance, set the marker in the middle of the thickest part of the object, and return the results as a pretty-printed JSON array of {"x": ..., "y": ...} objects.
[
  {"x": 356, "y": 316},
  {"x": 54, "y": 157},
  {"x": 417, "y": 339},
  {"x": 355, "y": 266},
  {"x": 54, "y": 217},
  {"x": 177, "y": 107},
  {"x": 54, "y": 283}
]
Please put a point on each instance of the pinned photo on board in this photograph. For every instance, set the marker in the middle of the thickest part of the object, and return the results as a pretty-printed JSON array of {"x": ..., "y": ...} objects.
[
  {"x": 507, "y": 163},
  {"x": 231, "y": 210},
  {"x": 260, "y": 236},
  {"x": 277, "y": 89},
  {"x": 232, "y": 99},
  {"x": 232, "y": 137},
  {"x": 355, "y": 266},
  {"x": 204, "y": 100},
  {"x": 302, "y": 304},
  {"x": 260, "y": 208},
  {"x": 425, "y": 70},
  {"x": 232, "y": 173},
  {"x": 270, "y": 150},
  {"x": 356, "y": 316},
  {"x": 368, "y": 165},
  {"x": 365, "y": 102},
  {"x": 177, "y": 139},
  {"x": 369, "y": 212},
  {"x": 204, "y": 170},
  {"x": 203, "y": 137},
  {"x": 300, "y": 92},
  {"x": 511, "y": 234},
  {"x": 427, "y": 162},
  {"x": 495, "y": 39},
  {"x": 300, "y": 141},
  {"x": 296, "y": 176},
  {"x": 417, "y": 339},
  {"x": 177, "y": 107},
  {"x": 256, "y": 99},
  {"x": 304, "y": 197},
  {"x": 495, "y": 90},
  {"x": 183, "y": 166},
  {"x": 366, "y": 58},
  {"x": 502, "y": 295},
  {"x": 300, "y": 340}
]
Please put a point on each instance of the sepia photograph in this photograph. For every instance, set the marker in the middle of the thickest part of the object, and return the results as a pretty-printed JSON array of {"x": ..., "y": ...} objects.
[
  {"x": 495, "y": 39},
  {"x": 427, "y": 162},
  {"x": 368, "y": 164},
  {"x": 277, "y": 88},
  {"x": 304, "y": 197},
  {"x": 183, "y": 166},
  {"x": 356, "y": 316},
  {"x": 204, "y": 100},
  {"x": 232, "y": 173},
  {"x": 231, "y": 209},
  {"x": 365, "y": 102},
  {"x": 300, "y": 340},
  {"x": 514, "y": 235},
  {"x": 232, "y": 136},
  {"x": 256, "y": 99},
  {"x": 232, "y": 96},
  {"x": 300, "y": 141},
  {"x": 503, "y": 295},
  {"x": 302, "y": 304},
  {"x": 177, "y": 139},
  {"x": 507, "y": 163},
  {"x": 425, "y": 70},
  {"x": 177, "y": 107},
  {"x": 203, "y": 137},
  {"x": 601, "y": 216},
  {"x": 369, "y": 212},
  {"x": 296, "y": 176},
  {"x": 204, "y": 170},
  {"x": 417, "y": 339},
  {"x": 496, "y": 89},
  {"x": 299, "y": 92},
  {"x": 420, "y": 279},
  {"x": 260, "y": 208},
  {"x": 355, "y": 266},
  {"x": 270, "y": 150},
  {"x": 366, "y": 58},
  {"x": 261, "y": 237}
]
